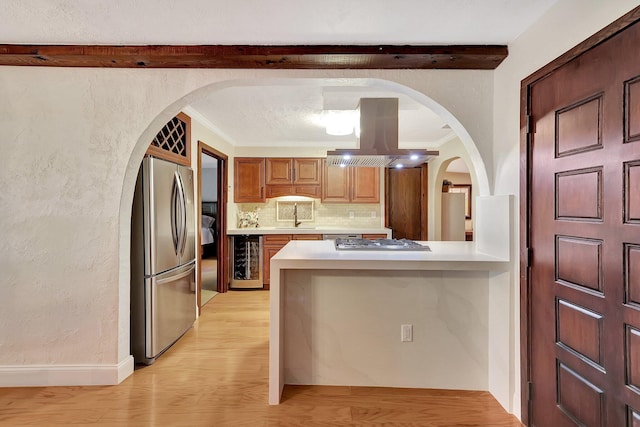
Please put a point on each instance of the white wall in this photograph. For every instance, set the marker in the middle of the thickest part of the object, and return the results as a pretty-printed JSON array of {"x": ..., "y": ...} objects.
[
  {"x": 209, "y": 184},
  {"x": 72, "y": 141},
  {"x": 565, "y": 25}
]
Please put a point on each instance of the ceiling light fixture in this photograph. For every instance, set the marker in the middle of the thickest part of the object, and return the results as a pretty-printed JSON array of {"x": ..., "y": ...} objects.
[{"x": 340, "y": 122}]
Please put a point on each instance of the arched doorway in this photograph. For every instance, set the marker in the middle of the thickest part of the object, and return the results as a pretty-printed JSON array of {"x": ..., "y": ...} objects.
[{"x": 464, "y": 139}]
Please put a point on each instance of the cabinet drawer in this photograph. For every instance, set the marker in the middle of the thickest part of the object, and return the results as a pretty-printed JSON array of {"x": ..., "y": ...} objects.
[
  {"x": 374, "y": 236},
  {"x": 276, "y": 239},
  {"x": 307, "y": 237}
]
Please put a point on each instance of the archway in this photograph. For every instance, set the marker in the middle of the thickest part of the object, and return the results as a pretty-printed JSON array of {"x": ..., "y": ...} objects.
[{"x": 472, "y": 156}]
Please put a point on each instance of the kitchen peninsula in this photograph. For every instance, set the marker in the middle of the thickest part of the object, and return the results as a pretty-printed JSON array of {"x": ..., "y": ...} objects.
[{"x": 336, "y": 316}]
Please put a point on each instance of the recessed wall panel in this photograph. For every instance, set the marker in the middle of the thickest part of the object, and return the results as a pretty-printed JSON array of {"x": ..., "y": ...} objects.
[
  {"x": 579, "y": 262},
  {"x": 579, "y": 194},
  {"x": 579, "y": 330},
  {"x": 578, "y": 398},
  {"x": 632, "y": 358},
  {"x": 578, "y": 127},
  {"x": 633, "y": 417},
  {"x": 632, "y": 192},
  {"x": 632, "y": 110},
  {"x": 631, "y": 274}
]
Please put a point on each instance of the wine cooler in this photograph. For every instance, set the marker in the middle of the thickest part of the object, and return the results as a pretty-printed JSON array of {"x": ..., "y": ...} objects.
[{"x": 246, "y": 262}]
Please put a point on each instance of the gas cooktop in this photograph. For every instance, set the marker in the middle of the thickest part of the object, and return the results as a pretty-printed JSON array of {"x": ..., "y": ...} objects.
[{"x": 379, "y": 245}]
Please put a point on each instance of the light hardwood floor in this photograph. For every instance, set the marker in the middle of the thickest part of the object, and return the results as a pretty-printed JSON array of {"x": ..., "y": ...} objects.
[{"x": 217, "y": 375}]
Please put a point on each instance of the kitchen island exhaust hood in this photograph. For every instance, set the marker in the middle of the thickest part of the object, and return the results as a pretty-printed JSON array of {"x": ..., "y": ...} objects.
[{"x": 379, "y": 139}]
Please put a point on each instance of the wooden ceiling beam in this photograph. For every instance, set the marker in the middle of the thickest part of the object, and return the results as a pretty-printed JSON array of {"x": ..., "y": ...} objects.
[{"x": 483, "y": 57}]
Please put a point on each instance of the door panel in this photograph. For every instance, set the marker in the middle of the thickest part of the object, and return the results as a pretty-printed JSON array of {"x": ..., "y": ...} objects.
[
  {"x": 171, "y": 307},
  {"x": 404, "y": 207},
  {"x": 190, "y": 245},
  {"x": 585, "y": 238},
  {"x": 406, "y": 203},
  {"x": 365, "y": 185},
  {"x": 160, "y": 176}
]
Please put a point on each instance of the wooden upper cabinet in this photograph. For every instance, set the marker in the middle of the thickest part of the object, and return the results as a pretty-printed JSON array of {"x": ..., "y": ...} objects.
[
  {"x": 350, "y": 184},
  {"x": 296, "y": 171},
  {"x": 365, "y": 185},
  {"x": 307, "y": 171},
  {"x": 335, "y": 184},
  {"x": 279, "y": 171},
  {"x": 293, "y": 177},
  {"x": 248, "y": 185}
]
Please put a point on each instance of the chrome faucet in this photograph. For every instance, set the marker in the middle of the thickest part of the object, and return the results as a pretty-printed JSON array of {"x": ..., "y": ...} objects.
[{"x": 295, "y": 215}]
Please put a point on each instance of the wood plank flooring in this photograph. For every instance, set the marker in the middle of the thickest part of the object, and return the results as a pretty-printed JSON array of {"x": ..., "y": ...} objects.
[{"x": 217, "y": 375}]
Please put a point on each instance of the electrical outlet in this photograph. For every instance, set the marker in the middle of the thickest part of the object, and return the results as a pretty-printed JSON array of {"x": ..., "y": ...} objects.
[
  {"x": 352, "y": 214},
  {"x": 406, "y": 333},
  {"x": 373, "y": 214}
]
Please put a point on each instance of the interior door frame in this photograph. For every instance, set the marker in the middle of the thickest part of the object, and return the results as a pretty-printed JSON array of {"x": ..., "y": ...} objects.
[
  {"x": 526, "y": 148},
  {"x": 221, "y": 221}
]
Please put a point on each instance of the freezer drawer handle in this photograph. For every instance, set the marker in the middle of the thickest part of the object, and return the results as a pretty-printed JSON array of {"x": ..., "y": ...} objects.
[{"x": 179, "y": 276}]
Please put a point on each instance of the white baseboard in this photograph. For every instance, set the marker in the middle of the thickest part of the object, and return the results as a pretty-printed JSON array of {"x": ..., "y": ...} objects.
[{"x": 65, "y": 375}]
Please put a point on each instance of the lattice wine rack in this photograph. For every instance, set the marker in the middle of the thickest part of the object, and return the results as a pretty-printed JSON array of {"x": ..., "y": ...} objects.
[{"x": 173, "y": 140}]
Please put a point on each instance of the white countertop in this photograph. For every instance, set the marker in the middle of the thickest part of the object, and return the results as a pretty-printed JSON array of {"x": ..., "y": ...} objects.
[
  {"x": 443, "y": 255},
  {"x": 308, "y": 230}
]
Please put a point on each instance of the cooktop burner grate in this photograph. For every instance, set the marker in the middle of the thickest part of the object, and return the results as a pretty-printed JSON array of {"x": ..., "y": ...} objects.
[{"x": 379, "y": 245}]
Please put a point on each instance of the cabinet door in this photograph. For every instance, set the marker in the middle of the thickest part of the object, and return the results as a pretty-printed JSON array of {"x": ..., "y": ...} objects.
[
  {"x": 307, "y": 171},
  {"x": 248, "y": 183},
  {"x": 272, "y": 243},
  {"x": 335, "y": 184},
  {"x": 269, "y": 251},
  {"x": 365, "y": 185},
  {"x": 279, "y": 171}
]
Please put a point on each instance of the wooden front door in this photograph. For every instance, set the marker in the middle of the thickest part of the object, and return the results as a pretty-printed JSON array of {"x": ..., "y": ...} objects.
[{"x": 584, "y": 232}]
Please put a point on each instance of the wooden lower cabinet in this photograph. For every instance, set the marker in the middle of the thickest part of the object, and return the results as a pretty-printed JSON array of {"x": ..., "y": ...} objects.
[
  {"x": 374, "y": 236},
  {"x": 272, "y": 243},
  {"x": 307, "y": 237}
]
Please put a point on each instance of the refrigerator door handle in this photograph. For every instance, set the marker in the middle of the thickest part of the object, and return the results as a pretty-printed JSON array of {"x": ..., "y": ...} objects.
[
  {"x": 183, "y": 216},
  {"x": 175, "y": 214}
]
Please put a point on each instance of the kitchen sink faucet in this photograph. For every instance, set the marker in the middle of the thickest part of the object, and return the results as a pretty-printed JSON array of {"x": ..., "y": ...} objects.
[{"x": 295, "y": 215}]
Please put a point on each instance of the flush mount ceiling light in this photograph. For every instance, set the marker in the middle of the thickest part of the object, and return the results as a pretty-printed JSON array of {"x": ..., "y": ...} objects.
[{"x": 340, "y": 122}]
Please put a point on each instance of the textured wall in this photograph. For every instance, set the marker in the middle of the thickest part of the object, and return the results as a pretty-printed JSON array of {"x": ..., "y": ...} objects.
[{"x": 72, "y": 141}]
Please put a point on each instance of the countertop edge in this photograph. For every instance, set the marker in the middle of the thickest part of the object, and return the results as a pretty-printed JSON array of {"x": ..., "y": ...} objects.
[{"x": 303, "y": 230}]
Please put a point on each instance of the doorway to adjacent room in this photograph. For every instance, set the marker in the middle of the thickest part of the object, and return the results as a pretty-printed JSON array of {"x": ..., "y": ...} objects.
[{"x": 212, "y": 186}]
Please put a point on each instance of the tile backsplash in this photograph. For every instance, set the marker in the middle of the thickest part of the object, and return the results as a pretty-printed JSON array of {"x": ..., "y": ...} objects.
[{"x": 355, "y": 215}]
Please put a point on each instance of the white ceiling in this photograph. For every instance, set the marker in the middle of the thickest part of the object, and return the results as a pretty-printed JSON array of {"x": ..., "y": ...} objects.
[
  {"x": 280, "y": 115},
  {"x": 267, "y": 22},
  {"x": 286, "y": 115}
]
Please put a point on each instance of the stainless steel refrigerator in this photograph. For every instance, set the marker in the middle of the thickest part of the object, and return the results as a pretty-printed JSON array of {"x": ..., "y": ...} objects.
[{"x": 163, "y": 282}]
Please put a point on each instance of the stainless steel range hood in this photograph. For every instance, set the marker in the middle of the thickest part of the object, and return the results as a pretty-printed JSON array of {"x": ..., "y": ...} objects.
[{"x": 379, "y": 139}]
